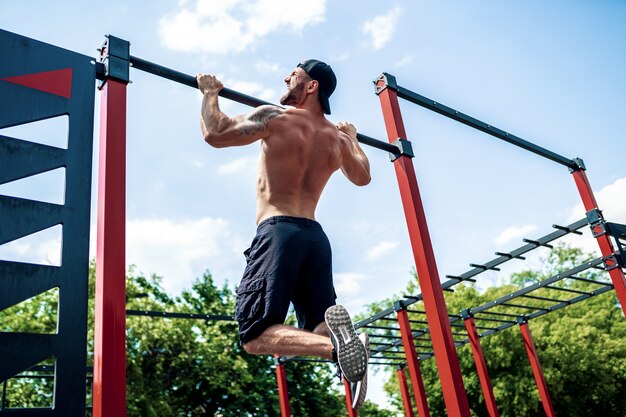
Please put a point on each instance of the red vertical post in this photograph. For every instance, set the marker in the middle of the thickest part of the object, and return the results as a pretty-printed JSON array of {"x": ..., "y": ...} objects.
[
  {"x": 412, "y": 362},
  {"x": 351, "y": 411},
  {"x": 606, "y": 247},
  {"x": 109, "y": 369},
  {"x": 404, "y": 391},
  {"x": 529, "y": 344},
  {"x": 283, "y": 394},
  {"x": 444, "y": 348},
  {"x": 481, "y": 367}
]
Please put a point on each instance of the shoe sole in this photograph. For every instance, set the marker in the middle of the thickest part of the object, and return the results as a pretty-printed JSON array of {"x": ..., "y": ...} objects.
[
  {"x": 361, "y": 387},
  {"x": 351, "y": 353}
]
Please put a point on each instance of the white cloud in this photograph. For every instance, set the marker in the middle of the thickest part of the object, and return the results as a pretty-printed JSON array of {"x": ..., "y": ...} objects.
[
  {"x": 514, "y": 232},
  {"x": 235, "y": 25},
  {"x": 381, "y": 28},
  {"x": 265, "y": 67},
  {"x": 247, "y": 165},
  {"x": 181, "y": 251},
  {"x": 405, "y": 60},
  {"x": 253, "y": 89},
  {"x": 348, "y": 284},
  {"x": 381, "y": 249}
]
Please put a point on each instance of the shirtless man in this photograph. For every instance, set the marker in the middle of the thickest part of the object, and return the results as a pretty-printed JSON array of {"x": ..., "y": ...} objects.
[{"x": 289, "y": 260}]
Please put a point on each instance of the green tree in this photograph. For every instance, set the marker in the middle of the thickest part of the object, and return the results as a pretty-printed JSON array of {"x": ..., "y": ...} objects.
[{"x": 185, "y": 367}]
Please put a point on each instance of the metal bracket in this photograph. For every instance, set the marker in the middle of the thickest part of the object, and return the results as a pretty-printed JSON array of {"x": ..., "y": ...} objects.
[
  {"x": 115, "y": 56},
  {"x": 613, "y": 261},
  {"x": 388, "y": 81},
  {"x": 618, "y": 232},
  {"x": 580, "y": 165},
  {"x": 466, "y": 313},
  {"x": 405, "y": 148},
  {"x": 399, "y": 305},
  {"x": 596, "y": 222},
  {"x": 521, "y": 319}
]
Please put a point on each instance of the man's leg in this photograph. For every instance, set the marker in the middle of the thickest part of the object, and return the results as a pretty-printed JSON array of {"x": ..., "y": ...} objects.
[{"x": 283, "y": 340}]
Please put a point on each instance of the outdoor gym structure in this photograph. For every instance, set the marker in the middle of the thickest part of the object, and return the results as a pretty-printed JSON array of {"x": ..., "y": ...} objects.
[{"x": 41, "y": 81}]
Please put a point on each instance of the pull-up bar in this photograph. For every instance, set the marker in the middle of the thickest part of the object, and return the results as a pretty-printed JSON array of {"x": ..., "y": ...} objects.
[
  {"x": 390, "y": 82},
  {"x": 188, "y": 80}
]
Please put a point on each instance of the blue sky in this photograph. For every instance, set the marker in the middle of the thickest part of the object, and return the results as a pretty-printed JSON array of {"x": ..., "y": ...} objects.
[{"x": 549, "y": 72}]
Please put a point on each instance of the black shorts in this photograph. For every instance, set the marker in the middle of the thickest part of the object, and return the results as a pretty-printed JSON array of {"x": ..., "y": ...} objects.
[{"x": 289, "y": 260}]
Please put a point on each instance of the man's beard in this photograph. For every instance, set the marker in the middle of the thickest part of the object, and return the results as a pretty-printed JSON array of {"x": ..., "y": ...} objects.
[{"x": 292, "y": 95}]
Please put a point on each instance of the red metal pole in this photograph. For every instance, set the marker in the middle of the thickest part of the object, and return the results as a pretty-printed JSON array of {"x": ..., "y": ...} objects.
[
  {"x": 481, "y": 367},
  {"x": 444, "y": 348},
  {"x": 413, "y": 363},
  {"x": 283, "y": 394},
  {"x": 404, "y": 390},
  {"x": 606, "y": 247},
  {"x": 351, "y": 411},
  {"x": 529, "y": 344},
  {"x": 109, "y": 369}
]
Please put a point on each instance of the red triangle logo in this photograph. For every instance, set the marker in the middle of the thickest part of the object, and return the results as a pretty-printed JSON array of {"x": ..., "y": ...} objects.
[{"x": 58, "y": 82}]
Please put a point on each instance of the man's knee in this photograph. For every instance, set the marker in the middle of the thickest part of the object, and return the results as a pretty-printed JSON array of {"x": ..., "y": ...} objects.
[
  {"x": 322, "y": 329},
  {"x": 253, "y": 347}
]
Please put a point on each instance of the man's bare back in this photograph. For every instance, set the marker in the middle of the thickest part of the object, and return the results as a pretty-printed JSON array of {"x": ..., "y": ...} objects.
[{"x": 300, "y": 148}]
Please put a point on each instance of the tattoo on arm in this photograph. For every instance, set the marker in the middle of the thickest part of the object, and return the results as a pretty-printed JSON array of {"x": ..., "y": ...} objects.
[{"x": 259, "y": 120}]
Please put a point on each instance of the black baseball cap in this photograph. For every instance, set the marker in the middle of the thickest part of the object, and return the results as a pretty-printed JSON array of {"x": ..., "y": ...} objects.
[{"x": 324, "y": 75}]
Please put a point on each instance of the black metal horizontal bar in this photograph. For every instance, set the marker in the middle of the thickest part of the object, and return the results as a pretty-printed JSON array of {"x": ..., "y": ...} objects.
[
  {"x": 169, "y": 315},
  {"x": 509, "y": 255},
  {"x": 591, "y": 281},
  {"x": 498, "y": 329},
  {"x": 383, "y": 336},
  {"x": 483, "y": 127},
  {"x": 370, "y": 326},
  {"x": 537, "y": 297},
  {"x": 495, "y": 320},
  {"x": 188, "y": 80},
  {"x": 497, "y": 313},
  {"x": 484, "y": 267},
  {"x": 372, "y": 319},
  {"x": 381, "y": 344},
  {"x": 566, "y": 289},
  {"x": 522, "y": 306},
  {"x": 537, "y": 243},
  {"x": 416, "y": 311},
  {"x": 567, "y": 229}
]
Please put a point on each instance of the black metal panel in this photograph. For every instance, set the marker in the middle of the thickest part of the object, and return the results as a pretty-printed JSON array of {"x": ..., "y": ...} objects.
[
  {"x": 21, "y": 351},
  {"x": 23, "y": 103},
  {"x": 24, "y": 217},
  {"x": 25, "y": 158},
  {"x": 20, "y": 281}
]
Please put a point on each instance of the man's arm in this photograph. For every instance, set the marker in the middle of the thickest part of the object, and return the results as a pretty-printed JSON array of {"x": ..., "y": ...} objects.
[
  {"x": 354, "y": 163},
  {"x": 221, "y": 131}
]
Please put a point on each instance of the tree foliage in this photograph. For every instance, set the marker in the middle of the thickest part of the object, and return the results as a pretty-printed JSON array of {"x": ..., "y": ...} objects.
[{"x": 185, "y": 367}]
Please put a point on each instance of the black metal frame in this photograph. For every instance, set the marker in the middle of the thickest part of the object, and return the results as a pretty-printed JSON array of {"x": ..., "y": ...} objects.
[{"x": 21, "y": 217}]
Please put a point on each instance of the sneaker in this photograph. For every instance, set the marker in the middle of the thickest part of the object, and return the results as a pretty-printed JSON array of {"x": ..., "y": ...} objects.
[
  {"x": 359, "y": 389},
  {"x": 351, "y": 353}
]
